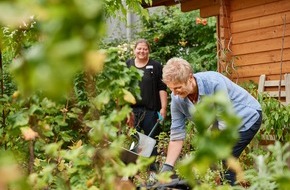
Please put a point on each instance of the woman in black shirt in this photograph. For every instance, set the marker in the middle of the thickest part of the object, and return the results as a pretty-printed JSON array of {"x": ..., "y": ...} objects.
[{"x": 153, "y": 90}]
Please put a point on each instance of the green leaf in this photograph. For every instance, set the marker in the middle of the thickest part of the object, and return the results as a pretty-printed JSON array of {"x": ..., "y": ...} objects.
[
  {"x": 101, "y": 99},
  {"x": 52, "y": 149},
  {"x": 21, "y": 119},
  {"x": 66, "y": 136}
]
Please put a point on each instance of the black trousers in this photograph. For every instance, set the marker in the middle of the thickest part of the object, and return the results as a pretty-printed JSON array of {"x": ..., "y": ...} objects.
[{"x": 244, "y": 139}]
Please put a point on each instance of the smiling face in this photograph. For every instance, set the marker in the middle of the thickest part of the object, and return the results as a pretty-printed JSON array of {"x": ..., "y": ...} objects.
[
  {"x": 141, "y": 51},
  {"x": 182, "y": 89},
  {"x": 178, "y": 76}
]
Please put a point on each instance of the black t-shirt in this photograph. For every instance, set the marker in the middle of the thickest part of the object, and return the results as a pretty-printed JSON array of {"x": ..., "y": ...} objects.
[{"x": 150, "y": 84}]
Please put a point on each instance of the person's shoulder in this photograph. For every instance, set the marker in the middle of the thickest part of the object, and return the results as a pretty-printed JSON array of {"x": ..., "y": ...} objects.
[
  {"x": 208, "y": 73},
  {"x": 209, "y": 76},
  {"x": 152, "y": 61},
  {"x": 156, "y": 65},
  {"x": 129, "y": 62}
]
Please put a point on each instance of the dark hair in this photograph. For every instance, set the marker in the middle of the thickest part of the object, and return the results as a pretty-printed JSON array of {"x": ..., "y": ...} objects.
[{"x": 142, "y": 41}]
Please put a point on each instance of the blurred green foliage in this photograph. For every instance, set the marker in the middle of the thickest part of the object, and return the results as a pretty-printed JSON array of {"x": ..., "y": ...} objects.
[
  {"x": 212, "y": 145},
  {"x": 65, "y": 101}
]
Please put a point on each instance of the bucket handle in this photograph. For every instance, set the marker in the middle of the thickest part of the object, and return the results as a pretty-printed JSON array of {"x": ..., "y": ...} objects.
[{"x": 160, "y": 118}]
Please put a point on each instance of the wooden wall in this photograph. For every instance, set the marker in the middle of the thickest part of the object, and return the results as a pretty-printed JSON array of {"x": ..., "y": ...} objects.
[
  {"x": 260, "y": 38},
  {"x": 253, "y": 35}
]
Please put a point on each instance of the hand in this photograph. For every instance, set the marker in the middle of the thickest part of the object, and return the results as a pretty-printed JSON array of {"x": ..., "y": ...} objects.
[
  {"x": 163, "y": 112},
  {"x": 166, "y": 168},
  {"x": 130, "y": 120}
]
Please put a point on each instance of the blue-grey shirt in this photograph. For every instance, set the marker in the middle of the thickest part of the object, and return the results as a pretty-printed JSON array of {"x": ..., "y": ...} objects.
[{"x": 210, "y": 82}]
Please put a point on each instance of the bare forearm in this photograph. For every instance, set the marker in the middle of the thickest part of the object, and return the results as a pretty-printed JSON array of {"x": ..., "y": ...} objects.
[
  {"x": 174, "y": 149},
  {"x": 163, "y": 99}
]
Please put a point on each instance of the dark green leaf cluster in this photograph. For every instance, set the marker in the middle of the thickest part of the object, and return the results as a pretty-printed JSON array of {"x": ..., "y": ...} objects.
[
  {"x": 276, "y": 119},
  {"x": 173, "y": 33}
]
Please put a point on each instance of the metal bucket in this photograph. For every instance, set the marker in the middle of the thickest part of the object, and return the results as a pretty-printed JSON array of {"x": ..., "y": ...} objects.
[{"x": 144, "y": 147}]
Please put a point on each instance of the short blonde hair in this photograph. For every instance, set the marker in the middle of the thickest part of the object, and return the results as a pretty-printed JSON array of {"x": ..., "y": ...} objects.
[{"x": 176, "y": 70}]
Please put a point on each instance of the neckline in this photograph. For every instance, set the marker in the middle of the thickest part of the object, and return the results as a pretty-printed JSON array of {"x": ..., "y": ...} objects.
[
  {"x": 138, "y": 65},
  {"x": 193, "y": 97}
]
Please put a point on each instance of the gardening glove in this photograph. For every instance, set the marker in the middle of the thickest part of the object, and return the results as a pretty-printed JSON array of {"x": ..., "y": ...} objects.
[{"x": 166, "y": 168}]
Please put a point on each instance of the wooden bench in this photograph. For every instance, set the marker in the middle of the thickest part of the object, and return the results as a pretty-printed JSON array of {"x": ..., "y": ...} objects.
[{"x": 271, "y": 87}]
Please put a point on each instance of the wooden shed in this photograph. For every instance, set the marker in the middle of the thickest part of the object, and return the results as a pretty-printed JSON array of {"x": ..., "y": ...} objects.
[{"x": 253, "y": 35}]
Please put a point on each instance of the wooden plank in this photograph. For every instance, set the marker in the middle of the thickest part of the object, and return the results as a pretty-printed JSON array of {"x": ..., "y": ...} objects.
[
  {"x": 223, "y": 43},
  {"x": 224, "y": 33},
  {"x": 170, "y": 3},
  {"x": 209, "y": 11},
  {"x": 241, "y": 79},
  {"x": 237, "y": 78},
  {"x": 224, "y": 22},
  {"x": 261, "y": 83},
  {"x": 267, "y": 69},
  {"x": 281, "y": 90},
  {"x": 246, "y": 74},
  {"x": 260, "y": 34},
  {"x": 260, "y": 10},
  {"x": 197, "y": 4},
  {"x": 260, "y": 46},
  {"x": 263, "y": 57},
  {"x": 156, "y": 3},
  {"x": 225, "y": 8},
  {"x": 260, "y": 22},
  {"x": 275, "y": 77},
  {"x": 275, "y": 94},
  {"x": 159, "y": 2},
  {"x": 270, "y": 83},
  {"x": 238, "y": 4},
  {"x": 287, "y": 86}
]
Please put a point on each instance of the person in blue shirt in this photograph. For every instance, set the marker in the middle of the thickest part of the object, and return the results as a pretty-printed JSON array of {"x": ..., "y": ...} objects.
[{"x": 187, "y": 89}]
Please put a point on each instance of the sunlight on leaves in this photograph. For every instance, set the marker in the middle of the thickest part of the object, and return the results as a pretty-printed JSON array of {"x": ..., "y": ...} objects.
[
  {"x": 129, "y": 97},
  {"x": 94, "y": 61},
  {"x": 28, "y": 133}
]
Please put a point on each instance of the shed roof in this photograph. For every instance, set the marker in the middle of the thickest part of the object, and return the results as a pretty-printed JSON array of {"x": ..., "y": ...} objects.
[
  {"x": 207, "y": 7},
  {"x": 156, "y": 3}
]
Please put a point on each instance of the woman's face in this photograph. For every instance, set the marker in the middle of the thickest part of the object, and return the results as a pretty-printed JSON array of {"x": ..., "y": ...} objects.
[
  {"x": 182, "y": 89},
  {"x": 141, "y": 51}
]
